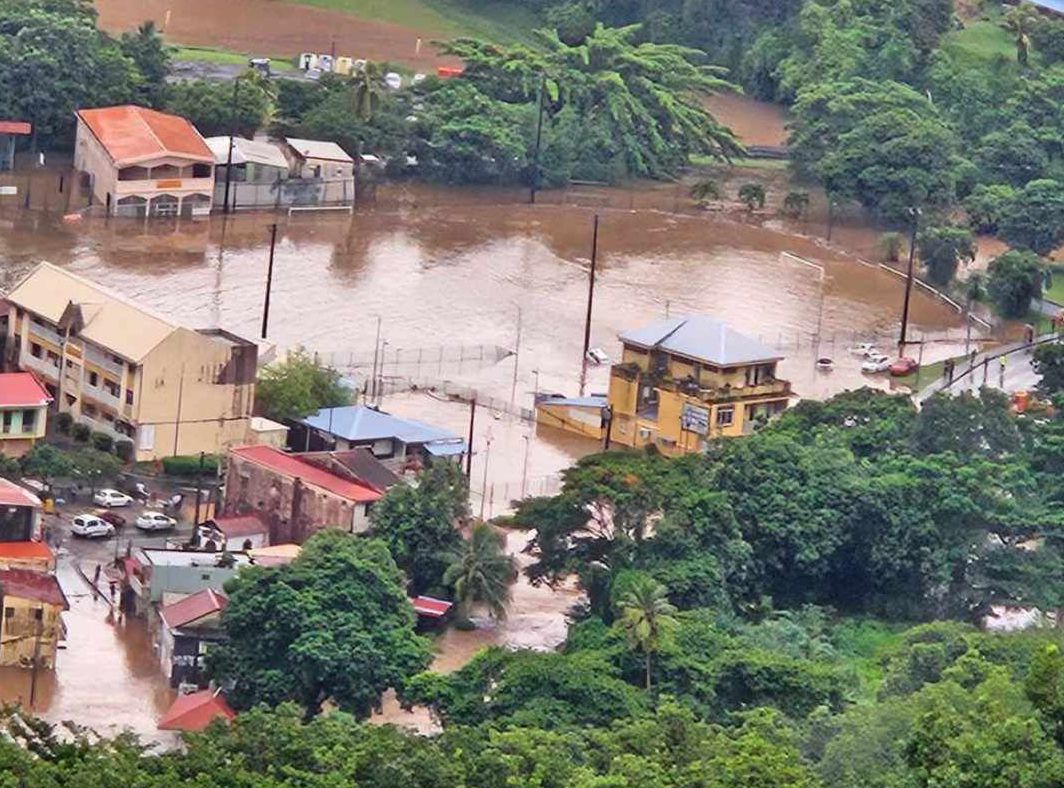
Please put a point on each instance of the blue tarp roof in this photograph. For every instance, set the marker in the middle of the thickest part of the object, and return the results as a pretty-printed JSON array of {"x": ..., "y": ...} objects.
[{"x": 359, "y": 423}]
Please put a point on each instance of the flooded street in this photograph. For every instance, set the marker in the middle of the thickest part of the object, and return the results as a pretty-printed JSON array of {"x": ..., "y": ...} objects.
[
  {"x": 449, "y": 268},
  {"x": 107, "y": 678}
]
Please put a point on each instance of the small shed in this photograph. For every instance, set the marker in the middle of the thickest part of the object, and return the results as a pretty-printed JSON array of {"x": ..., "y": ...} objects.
[
  {"x": 196, "y": 711},
  {"x": 317, "y": 159},
  {"x": 10, "y": 131}
]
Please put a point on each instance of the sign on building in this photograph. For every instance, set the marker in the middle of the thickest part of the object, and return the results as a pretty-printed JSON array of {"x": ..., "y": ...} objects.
[{"x": 694, "y": 419}]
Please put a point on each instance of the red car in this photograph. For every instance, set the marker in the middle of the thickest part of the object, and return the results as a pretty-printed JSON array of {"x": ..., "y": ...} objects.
[
  {"x": 903, "y": 366},
  {"x": 113, "y": 518}
]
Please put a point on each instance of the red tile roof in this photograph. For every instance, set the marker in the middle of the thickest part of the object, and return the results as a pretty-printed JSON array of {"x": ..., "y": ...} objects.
[
  {"x": 15, "y": 127},
  {"x": 36, "y": 586},
  {"x": 240, "y": 525},
  {"x": 21, "y": 390},
  {"x": 193, "y": 608},
  {"x": 430, "y": 606},
  {"x": 12, "y": 494},
  {"x": 25, "y": 550},
  {"x": 196, "y": 711},
  {"x": 133, "y": 134},
  {"x": 295, "y": 468}
]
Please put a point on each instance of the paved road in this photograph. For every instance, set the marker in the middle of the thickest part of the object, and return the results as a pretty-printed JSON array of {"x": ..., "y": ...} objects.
[{"x": 1018, "y": 375}]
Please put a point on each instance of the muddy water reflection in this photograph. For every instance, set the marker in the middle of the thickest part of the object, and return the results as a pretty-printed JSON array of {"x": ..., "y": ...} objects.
[{"x": 107, "y": 678}]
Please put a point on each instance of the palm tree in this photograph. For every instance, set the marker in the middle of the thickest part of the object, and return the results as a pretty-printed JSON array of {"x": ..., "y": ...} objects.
[
  {"x": 369, "y": 87},
  {"x": 1021, "y": 22},
  {"x": 647, "y": 618},
  {"x": 482, "y": 572}
]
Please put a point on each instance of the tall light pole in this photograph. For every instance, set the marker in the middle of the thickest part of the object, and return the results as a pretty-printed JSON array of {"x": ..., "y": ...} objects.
[
  {"x": 269, "y": 281},
  {"x": 590, "y": 303},
  {"x": 915, "y": 214},
  {"x": 524, "y": 467},
  {"x": 371, "y": 385},
  {"x": 229, "y": 158},
  {"x": 484, "y": 490},
  {"x": 820, "y": 305}
]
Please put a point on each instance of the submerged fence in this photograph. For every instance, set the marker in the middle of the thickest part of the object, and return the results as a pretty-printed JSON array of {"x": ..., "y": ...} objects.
[{"x": 415, "y": 363}]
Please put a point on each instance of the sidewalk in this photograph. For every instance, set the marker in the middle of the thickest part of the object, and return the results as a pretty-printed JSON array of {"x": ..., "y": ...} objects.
[{"x": 1019, "y": 375}]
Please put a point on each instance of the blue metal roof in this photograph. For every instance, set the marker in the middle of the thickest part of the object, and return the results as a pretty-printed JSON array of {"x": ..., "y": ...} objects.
[
  {"x": 446, "y": 448},
  {"x": 359, "y": 423}
]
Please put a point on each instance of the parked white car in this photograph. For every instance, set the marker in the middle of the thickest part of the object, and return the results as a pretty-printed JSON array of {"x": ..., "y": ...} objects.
[
  {"x": 866, "y": 349},
  {"x": 155, "y": 521},
  {"x": 91, "y": 527},
  {"x": 111, "y": 498},
  {"x": 877, "y": 362}
]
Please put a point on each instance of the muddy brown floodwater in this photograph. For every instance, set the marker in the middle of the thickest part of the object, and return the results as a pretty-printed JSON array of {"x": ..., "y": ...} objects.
[{"x": 450, "y": 268}]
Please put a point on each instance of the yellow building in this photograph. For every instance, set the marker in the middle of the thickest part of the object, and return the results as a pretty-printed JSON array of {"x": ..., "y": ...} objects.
[
  {"x": 23, "y": 413},
  {"x": 685, "y": 380},
  {"x": 31, "y": 626},
  {"x": 128, "y": 372}
]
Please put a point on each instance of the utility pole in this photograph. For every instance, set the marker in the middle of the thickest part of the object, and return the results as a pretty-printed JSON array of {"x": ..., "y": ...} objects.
[
  {"x": 269, "y": 280},
  {"x": 517, "y": 355},
  {"x": 484, "y": 490},
  {"x": 199, "y": 490},
  {"x": 469, "y": 443},
  {"x": 590, "y": 303},
  {"x": 908, "y": 280},
  {"x": 373, "y": 373},
  {"x": 524, "y": 467},
  {"x": 380, "y": 372},
  {"x": 539, "y": 139},
  {"x": 229, "y": 158},
  {"x": 36, "y": 657}
]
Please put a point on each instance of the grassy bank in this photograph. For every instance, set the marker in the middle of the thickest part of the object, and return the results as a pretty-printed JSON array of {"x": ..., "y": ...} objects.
[
  {"x": 979, "y": 44},
  {"x": 205, "y": 55},
  {"x": 495, "y": 21}
]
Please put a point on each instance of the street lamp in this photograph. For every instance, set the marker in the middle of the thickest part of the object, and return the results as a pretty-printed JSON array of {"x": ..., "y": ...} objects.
[
  {"x": 820, "y": 306},
  {"x": 524, "y": 470},
  {"x": 914, "y": 213},
  {"x": 484, "y": 490}
]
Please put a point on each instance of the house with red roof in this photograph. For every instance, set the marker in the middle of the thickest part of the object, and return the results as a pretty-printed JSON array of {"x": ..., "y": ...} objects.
[
  {"x": 23, "y": 412},
  {"x": 31, "y": 625},
  {"x": 20, "y": 513},
  {"x": 142, "y": 162},
  {"x": 196, "y": 711},
  {"x": 10, "y": 131},
  {"x": 294, "y": 497},
  {"x": 234, "y": 532},
  {"x": 187, "y": 630}
]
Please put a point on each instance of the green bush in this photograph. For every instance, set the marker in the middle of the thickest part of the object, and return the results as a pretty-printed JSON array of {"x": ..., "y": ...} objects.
[
  {"x": 101, "y": 441},
  {"x": 63, "y": 422},
  {"x": 124, "y": 450},
  {"x": 189, "y": 465},
  {"x": 81, "y": 432}
]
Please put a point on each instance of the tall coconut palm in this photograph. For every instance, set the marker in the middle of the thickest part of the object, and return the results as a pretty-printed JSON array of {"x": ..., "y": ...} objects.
[
  {"x": 482, "y": 572},
  {"x": 1021, "y": 22},
  {"x": 369, "y": 87},
  {"x": 647, "y": 618}
]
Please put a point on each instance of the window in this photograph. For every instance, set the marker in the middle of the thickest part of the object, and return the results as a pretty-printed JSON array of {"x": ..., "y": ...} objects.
[
  {"x": 53, "y": 359},
  {"x": 94, "y": 379},
  {"x": 725, "y": 415},
  {"x": 29, "y": 420},
  {"x": 201, "y": 170},
  {"x": 38, "y": 614},
  {"x": 89, "y": 410},
  {"x": 9, "y": 612},
  {"x": 8, "y": 416},
  {"x": 36, "y": 350},
  {"x": 129, "y": 396},
  {"x": 112, "y": 388}
]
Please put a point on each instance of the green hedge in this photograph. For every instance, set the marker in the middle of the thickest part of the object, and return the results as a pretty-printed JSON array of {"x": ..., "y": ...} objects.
[{"x": 189, "y": 465}]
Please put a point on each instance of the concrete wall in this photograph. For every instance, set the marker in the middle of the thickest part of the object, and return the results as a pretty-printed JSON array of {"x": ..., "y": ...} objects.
[
  {"x": 284, "y": 194},
  {"x": 15, "y": 439},
  {"x": 18, "y": 632}
]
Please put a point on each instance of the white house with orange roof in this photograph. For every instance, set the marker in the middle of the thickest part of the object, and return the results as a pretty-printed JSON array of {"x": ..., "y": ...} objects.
[{"x": 144, "y": 163}]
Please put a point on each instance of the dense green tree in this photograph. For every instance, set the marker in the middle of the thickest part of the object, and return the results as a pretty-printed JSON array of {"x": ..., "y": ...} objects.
[
  {"x": 752, "y": 195},
  {"x": 1035, "y": 218},
  {"x": 242, "y": 107},
  {"x": 1014, "y": 280},
  {"x": 146, "y": 49},
  {"x": 481, "y": 572},
  {"x": 986, "y": 205},
  {"x": 1012, "y": 156},
  {"x": 942, "y": 249},
  {"x": 420, "y": 524},
  {"x": 297, "y": 387},
  {"x": 1048, "y": 362},
  {"x": 334, "y": 625}
]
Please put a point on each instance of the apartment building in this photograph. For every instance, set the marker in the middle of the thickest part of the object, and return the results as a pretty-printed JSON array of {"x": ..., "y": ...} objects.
[{"x": 128, "y": 372}]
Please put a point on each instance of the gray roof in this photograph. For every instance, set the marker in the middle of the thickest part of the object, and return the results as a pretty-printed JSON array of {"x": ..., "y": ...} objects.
[
  {"x": 247, "y": 151},
  {"x": 318, "y": 149},
  {"x": 701, "y": 338}
]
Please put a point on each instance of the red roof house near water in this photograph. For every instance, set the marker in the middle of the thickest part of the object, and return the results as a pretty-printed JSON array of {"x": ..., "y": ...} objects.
[
  {"x": 34, "y": 586},
  {"x": 430, "y": 607},
  {"x": 196, "y": 711},
  {"x": 193, "y": 609}
]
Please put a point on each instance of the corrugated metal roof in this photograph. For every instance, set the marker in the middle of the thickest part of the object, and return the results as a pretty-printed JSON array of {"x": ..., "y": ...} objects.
[
  {"x": 295, "y": 468},
  {"x": 430, "y": 606},
  {"x": 35, "y": 586},
  {"x": 240, "y": 525},
  {"x": 701, "y": 338},
  {"x": 196, "y": 711},
  {"x": 359, "y": 423},
  {"x": 580, "y": 402},
  {"x": 254, "y": 151},
  {"x": 110, "y": 321},
  {"x": 21, "y": 390},
  {"x": 193, "y": 607},
  {"x": 16, "y": 127},
  {"x": 132, "y": 134},
  {"x": 318, "y": 149},
  {"x": 12, "y": 494}
]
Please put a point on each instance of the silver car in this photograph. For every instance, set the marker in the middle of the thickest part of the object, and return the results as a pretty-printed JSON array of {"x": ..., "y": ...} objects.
[{"x": 91, "y": 527}]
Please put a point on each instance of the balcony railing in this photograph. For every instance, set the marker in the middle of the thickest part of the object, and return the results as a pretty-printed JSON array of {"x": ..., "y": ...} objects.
[
  {"x": 104, "y": 361},
  {"x": 99, "y": 425},
  {"x": 102, "y": 395},
  {"x": 42, "y": 365},
  {"x": 46, "y": 333}
]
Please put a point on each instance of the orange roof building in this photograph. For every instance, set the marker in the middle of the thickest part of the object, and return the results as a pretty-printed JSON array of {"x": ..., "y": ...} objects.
[
  {"x": 142, "y": 162},
  {"x": 196, "y": 711}
]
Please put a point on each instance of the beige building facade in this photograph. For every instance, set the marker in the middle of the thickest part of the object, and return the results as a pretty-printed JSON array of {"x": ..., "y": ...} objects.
[
  {"x": 127, "y": 372},
  {"x": 141, "y": 162}
]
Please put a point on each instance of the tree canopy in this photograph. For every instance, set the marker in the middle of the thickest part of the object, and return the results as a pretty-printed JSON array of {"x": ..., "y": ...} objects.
[{"x": 297, "y": 387}]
